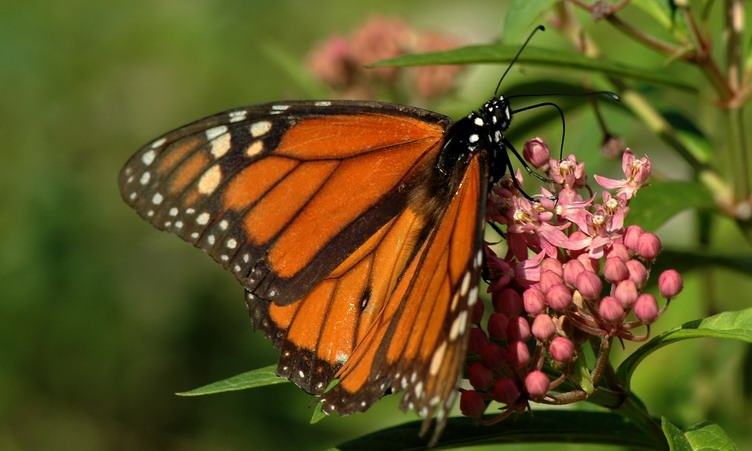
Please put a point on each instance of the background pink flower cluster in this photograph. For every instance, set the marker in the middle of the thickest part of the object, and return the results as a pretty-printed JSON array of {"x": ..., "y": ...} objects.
[{"x": 571, "y": 271}]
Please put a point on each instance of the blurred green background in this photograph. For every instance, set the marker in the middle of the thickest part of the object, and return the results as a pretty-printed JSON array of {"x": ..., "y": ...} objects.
[{"x": 102, "y": 318}]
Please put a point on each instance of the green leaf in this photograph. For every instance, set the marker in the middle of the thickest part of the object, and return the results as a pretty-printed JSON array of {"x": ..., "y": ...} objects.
[
  {"x": 522, "y": 16},
  {"x": 257, "y": 378},
  {"x": 660, "y": 201},
  {"x": 736, "y": 325},
  {"x": 665, "y": 13},
  {"x": 702, "y": 436},
  {"x": 541, "y": 426},
  {"x": 558, "y": 59},
  {"x": 689, "y": 261},
  {"x": 318, "y": 413}
]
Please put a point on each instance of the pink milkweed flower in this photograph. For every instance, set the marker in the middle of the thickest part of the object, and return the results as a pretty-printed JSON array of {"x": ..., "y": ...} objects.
[
  {"x": 529, "y": 229},
  {"x": 568, "y": 172},
  {"x": 636, "y": 173}
]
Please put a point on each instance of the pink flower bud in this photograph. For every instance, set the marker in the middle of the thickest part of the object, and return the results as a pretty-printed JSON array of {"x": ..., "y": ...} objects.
[
  {"x": 472, "y": 403},
  {"x": 646, "y": 308},
  {"x": 559, "y": 297},
  {"x": 648, "y": 246},
  {"x": 589, "y": 285},
  {"x": 670, "y": 283},
  {"x": 480, "y": 376},
  {"x": 543, "y": 327},
  {"x": 493, "y": 356},
  {"x": 619, "y": 251},
  {"x": 637, "y": 273},
  {"x": 518, "y": 355},
  {"x": 497, "y": 326},
  {"x": 590, "y": 264},
  {"x": 610, "y": 310},
  {"x": 478, "y": 310},
  {"x": 478, "y": 341},
  {"x": 549, "y": 279},
  {"x": 536, "y": 383},
  {"x": 615, "y": 270},
  {"x": 551, "y": 264},
  {"x": 536, "y": 153},
  {"x": 518, "y": 328},
  {"x": 632, "y": 236},
  {"x": 561, "y": 349},
  {"x": 572, "y": 269},
  {"x": 506, "y": 391},
  {"x": 534, "y": 301},
  {"x": 626, "y": 293},
  {"x": 507, "y": 301}
]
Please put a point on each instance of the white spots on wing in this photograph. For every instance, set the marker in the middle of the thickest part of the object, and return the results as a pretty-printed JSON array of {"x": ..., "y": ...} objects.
[
  {"x": 473, "y": 296},
  {"x": 260, "y": 128},
  {"x": 211, "y": 239},
  {"x": 157, "y": 199},
  {"x": 145, "y": 177},
  {"x": 178, "y": 224},
  {"x": 246, "y": 258},
  {"x": 203, "y": 218},
  {"x": 478, "y": 259},
  {"x": 455, "y": 330},
  {"x": 418, "y": 389},
  {"x": 150, "y": 213},
  {"x": 463, "y": 322},
  {"x": 157, "y": 143},
  {"x": 194, "y": 235},
  {"x": 280, "y": 107},
  {"x": 232, "y": 243},
  {"x": 210, "y": 180},
  {"x": 478, "y": 121},
  {"x": 363, "y": 403},
  {"x": 132, "y": 196},
  {"x": 215, "y": 132},
  {"x": 224, "y": 257},
  {"x": 130, "y": 179},
  {"x": 237, "y": 116},
  {"x": 413, "y": 377},
  {"x": 323, "y": 103},
  {"x": 272, "y": 293},
  {"x": 465, "y": 284},
  {"x": 473, "y": 138},
  {"x": 455, "y": 300},
  {"x": 223, "y": 224},
  {"x": 167, "y": 224},
  {"x": 221, "y": 145},
  {"x": 438, "y": 358},
  {"x": 148, "y": 157},
  {"x": 173, "y": 211},
  {"x": 190, "y": 211},
  {"x": 255, "y": 148},
  {"x": 237, "y": 268},
  {"x": 301, "y": 373}
]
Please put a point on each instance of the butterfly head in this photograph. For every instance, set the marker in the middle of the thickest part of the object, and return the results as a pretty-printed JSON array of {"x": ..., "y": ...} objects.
[{"x": 496, "y": 116}]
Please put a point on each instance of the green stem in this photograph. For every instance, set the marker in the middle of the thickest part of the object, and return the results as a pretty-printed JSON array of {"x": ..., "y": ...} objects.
[
  {"x": 635, "y": 411},
  {"x": 737, "y": 154}
]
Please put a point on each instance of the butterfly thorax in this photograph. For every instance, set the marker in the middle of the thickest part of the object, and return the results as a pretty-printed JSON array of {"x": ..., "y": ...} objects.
[{"x": 481, "y": 130}]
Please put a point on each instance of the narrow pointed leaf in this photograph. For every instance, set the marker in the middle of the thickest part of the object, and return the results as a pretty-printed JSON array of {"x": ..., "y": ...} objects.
[
  {"x": 256, "y": 378},
  {"x": 522, "y": 16}
]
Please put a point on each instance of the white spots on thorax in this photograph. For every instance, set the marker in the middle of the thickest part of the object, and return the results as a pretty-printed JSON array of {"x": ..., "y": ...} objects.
[
  {"x": 465, "y": 284},
  {"x": 494, "y": 120},
  {"x": 203, "y": 218},
  {"x": 507, "y": 113},
  {"x": 232, "y": 243},
  {"x": 437, "y": 359},
  {"x": 220, "y": 145},
  {"x": 148, "y": 157},
  {"x": 215, "y": 132},
  {"x": 237, "y": 116},
  {"x": 260, "y": 128},
  {"x": 497, "y": 136},
  {"x": 255, "y": 148},
  {"x": 478, "y": 121},
  {"x": 157, "y": 198},
  {"x": 323, "y": 103},
  {"x": 210, "y": 180},
  {"x": 473, "y": 138},
  {"x": 145, "y": 177}
]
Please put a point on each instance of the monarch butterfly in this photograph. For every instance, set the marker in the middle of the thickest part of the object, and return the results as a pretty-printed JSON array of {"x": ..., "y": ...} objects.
[{"x": 355, "y": 228}]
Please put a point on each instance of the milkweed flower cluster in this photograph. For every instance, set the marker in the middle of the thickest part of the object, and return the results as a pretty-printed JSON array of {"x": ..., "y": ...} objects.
[
  {"x": 571, "y": 271},
  {"x": 341, "y": 61}
]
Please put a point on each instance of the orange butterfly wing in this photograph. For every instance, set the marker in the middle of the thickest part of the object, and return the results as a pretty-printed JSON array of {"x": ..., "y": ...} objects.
[{"x": 360, "y": 262}]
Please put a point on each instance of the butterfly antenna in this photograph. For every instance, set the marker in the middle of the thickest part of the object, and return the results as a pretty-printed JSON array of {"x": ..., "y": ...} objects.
[{"x": 498, "y": 85}]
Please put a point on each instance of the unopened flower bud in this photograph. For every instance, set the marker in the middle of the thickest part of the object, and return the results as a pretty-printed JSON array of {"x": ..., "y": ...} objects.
[
  {"x": 646, "y": 308},
  {"x": 589, "y": 263},
  {"x": 589, "y": 285},
  {"x": 610, "y": 309},
  {"x": 497, "y": 326},
  {"x": 518, "y": 328},
  {"x": 518, "y": 355},
  {"x": 492, "y": 355},
  {"x": 626, "y": 293},
  {"x": 615, "y": 270},
  {"x": 670, "y": 283},
  {"x": 632, "y": 236},
  {"x": 549, "y": 279},
  {"x": 534, "y": 301},
  {"x": 561, "y": 349},
  {"x": 472, "y": 403},
  {"x": 572, "y": 269},
  {"x": 536, "y": 153},
  {"x": 536, "y": 383},
  {"x": 551, "y": 264},
  {"x": 637, "y": 273},
  {"x": 543, "y": 327},
  {"x": 480, "y": 376},
  {"x": 478, "y": 341},
  {"x": 508, "y": 302},
  {"x": 559, "y": 297},
  {"x": 619, "y": 251},
  {"x": 506, "y": 391},
  {"x": 648, "y": 246}
]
